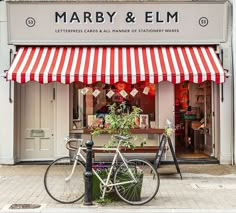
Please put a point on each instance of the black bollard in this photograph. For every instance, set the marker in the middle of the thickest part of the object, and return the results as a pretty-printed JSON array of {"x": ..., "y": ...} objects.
[{"x": 88, "y": 175}]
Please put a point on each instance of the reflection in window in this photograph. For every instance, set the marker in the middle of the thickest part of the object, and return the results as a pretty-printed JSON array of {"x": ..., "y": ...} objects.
[{"x": 90, "y": 101}]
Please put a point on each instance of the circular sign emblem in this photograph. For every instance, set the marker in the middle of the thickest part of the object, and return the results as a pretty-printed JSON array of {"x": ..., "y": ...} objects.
[
  {"x": 30, "y": 22},
  {"x": 203, "y": 21}
]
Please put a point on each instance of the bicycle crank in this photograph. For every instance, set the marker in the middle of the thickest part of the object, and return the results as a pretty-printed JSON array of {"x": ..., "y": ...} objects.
[{"x": 108, "y": 188}]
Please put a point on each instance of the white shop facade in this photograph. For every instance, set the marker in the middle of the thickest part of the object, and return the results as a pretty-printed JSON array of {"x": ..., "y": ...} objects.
[{"x": 71, "y": 60}]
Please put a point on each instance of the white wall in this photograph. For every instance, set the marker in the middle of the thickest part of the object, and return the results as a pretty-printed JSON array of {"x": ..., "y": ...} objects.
[
  {"x": 234, "y": 68},
  {"x": 226, "y": 115},
  {"x": 165, "y": 105},
  {"x": 61, "y": 119},
  {"x": 6, "y": 109},
  {"x": 226, "y": 150},
  {"x": 165, "y": 108}
]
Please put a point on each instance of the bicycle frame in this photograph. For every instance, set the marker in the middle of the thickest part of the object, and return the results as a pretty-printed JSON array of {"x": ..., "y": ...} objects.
[{"x": 106, "y": 182}]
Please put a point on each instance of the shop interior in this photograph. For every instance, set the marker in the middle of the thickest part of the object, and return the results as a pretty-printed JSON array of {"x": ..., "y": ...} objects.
[
  {"x": 193, "y": 120},
  {"x": 90, "y": 102},
  {"x": 193, "y": 111}
]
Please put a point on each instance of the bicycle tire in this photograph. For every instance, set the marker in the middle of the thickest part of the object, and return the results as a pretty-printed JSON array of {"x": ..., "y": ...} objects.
[
  {"x": 57, "y": 187},
  {"x": 144, "y": 190}
]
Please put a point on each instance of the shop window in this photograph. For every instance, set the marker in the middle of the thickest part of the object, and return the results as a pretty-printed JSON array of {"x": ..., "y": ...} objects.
[{"x": 90, "y": 101}]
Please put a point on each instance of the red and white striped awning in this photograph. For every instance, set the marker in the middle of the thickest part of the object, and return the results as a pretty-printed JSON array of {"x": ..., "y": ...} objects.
[{"x": 116, "y": 64}]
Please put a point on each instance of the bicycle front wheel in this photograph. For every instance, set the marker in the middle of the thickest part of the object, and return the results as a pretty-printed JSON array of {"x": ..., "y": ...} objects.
[
  {"x": 63, "y": 185},
  {"x": 144, "y": 189}
]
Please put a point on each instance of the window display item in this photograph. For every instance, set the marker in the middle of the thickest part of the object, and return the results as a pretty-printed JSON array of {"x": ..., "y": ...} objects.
[
  {"x": 146, "y": 90},
  {"x": 84, "y": 90},
  {"x": 123, "y": 93},
  {"x": 91, "y": 119},
  {"x": 144, "y": 121},
  {"x": 96, "y": 92},
  {"x": 134, "y": 92},
  {"x": 110, "y": 93}
]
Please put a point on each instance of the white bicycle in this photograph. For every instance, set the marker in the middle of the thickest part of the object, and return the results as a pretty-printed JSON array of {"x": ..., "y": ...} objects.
[{"x": 135, "y": 181}]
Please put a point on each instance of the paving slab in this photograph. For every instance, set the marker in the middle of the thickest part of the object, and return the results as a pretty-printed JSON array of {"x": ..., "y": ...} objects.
[{"x": 204, "y": 188}]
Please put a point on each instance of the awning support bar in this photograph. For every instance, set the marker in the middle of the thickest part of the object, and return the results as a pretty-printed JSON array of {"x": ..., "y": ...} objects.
[
  {"x": 222, "y": 93},
  {"x": 10, "y": 99},
  {"x": 222, "y": 86},
  {"x": 10, "y": 57}
]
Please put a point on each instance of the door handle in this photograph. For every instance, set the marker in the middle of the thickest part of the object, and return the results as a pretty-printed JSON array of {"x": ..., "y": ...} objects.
[{"x": 54, "y": 94}]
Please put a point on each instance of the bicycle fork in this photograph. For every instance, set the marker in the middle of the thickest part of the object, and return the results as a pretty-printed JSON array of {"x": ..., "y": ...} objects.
[
  {"x": 75, "y": 163},
  {"x": 72, "y": 171}
]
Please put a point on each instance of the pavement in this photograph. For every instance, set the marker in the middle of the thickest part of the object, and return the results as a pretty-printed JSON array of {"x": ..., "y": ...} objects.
[{"x": 204, "y": 188}]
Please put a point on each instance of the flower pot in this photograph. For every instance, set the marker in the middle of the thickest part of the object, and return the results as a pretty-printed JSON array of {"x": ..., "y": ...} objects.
[
  {"x": 97, "y": 193},
  {"x": 96, "y": 190}
]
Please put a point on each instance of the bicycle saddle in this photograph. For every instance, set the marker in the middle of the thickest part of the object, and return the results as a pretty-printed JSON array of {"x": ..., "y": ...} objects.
[{"x": 121, "y": 137}]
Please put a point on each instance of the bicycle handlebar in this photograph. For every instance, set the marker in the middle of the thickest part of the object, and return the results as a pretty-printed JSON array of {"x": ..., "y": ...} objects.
[{"x": 71, "y": 147}]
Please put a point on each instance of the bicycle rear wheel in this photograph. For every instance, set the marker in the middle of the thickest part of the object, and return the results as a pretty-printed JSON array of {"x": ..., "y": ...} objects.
[
  {"x": 144, "y": 189},
  {"x": 56, "y": 184}
]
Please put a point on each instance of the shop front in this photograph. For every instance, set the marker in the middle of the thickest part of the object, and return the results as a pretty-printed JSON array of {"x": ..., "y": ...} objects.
[{"x": 78, "y": 57}]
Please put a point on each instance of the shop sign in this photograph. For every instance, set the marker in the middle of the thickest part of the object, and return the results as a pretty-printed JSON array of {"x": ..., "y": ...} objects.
[{"x": 78, "y": 23}]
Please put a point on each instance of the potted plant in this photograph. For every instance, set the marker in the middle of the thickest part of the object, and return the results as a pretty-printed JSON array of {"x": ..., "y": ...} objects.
[{"x": 120, "y": 120}]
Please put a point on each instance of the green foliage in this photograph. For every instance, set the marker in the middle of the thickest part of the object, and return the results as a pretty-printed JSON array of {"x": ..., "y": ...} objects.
[
  {"x": 124, "y": 176},
  {"x": 121, "y": 121},
  {"x": 168, "y": 128},
  {"x": 168, "y": 131},
  {"x": 97, "y": 189},
  {"x": 104, "y": 201}
]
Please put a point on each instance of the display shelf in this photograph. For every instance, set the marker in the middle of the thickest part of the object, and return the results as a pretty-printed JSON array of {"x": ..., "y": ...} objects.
[{"x": 134, "y": 131}]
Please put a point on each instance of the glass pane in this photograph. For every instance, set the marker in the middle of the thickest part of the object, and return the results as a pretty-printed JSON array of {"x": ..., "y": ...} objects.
[{"x": 90, "y": 102}]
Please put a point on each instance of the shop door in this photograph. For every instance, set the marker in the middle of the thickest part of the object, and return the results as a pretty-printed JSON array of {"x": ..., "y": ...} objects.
[
  {"x": 208, "y": 120},
  {"x": 36, "y": 121},
  {"x": 204, "y": 140},
  {"x": 194, "y": 121}
]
